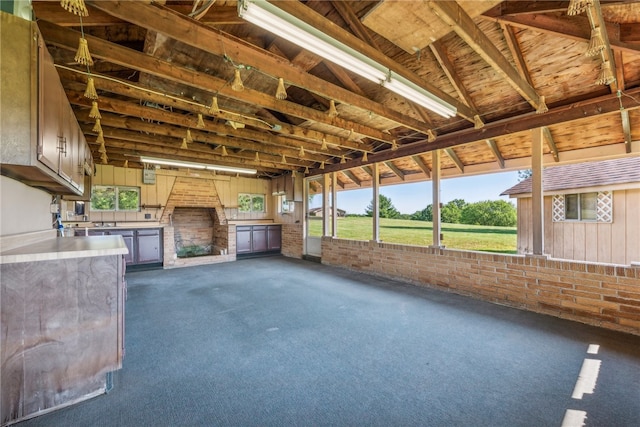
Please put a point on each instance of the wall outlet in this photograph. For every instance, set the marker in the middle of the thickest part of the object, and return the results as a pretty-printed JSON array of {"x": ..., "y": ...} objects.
[{"x": 54, "y": 208}]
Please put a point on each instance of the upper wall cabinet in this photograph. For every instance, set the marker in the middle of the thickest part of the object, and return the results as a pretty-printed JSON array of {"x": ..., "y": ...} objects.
[{"x": 42, "y": 144}]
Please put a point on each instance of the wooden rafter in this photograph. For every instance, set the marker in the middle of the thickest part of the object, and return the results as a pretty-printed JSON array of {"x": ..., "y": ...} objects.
[
  {"x": 242, "y": 138},
  {"x": 395, "y": 170},
  {"x": 451, "y": 13},
  {"x": 551, "y": 143},
  {"x": 368, "y": 170},
  {"x": 148, "y": 95},
  {"x": 496, "y": 152},
  {"x": 516, "y": 53},
  {"x": 137, "y": 144},
  {"x": 111, "y": 52},
  {"x": 422, "y": 165},
  {"x": 454, "y": 157},
  {"x": 445, "y": 64},
  {"x": 171, "y": 24},
  {"x": 307, "y": 15},
  {"x": 133, "y": 124},
  {"x": 352, "y": 177},
  {"x": 595, "y": 107},
  {"x": 354, "y": 23},
  {"x": 574, "y": 29}
]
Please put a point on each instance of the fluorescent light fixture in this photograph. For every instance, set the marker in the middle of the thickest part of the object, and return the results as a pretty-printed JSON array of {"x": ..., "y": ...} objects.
[
  {"x": 287, "y": 26},
  {"x": 201, "y": 166},
  {"x": 280, "y": 23},
  {"x": 415, "y": 93}
]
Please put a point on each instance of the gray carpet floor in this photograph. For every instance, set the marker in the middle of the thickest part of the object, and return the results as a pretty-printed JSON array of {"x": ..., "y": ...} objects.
[{"x": 283, "y": 342}]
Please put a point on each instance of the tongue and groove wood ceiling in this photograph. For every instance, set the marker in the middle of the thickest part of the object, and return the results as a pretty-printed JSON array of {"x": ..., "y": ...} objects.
[{"x": 160, "y": 64}]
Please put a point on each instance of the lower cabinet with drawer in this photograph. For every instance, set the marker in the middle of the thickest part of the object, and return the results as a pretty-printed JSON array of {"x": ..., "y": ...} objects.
[{"x": 258, "y": 239}]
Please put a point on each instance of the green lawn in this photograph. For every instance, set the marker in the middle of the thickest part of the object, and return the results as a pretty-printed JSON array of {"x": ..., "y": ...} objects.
[{"x": 455, "y": 236}]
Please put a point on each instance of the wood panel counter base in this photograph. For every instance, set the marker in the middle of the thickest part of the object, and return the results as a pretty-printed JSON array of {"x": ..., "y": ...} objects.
[{"x": 62, "y": 329}]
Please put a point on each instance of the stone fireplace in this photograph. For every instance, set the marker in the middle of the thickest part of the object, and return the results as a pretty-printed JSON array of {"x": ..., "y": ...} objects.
[{"x": 195, "y": 225}]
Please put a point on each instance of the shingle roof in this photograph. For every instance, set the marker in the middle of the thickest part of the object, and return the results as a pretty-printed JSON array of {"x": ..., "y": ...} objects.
[{"x": 581, "y": 175}]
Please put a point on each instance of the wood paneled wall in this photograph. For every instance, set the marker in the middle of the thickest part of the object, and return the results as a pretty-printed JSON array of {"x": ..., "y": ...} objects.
[
  {"x": 617, "y": 242},
  {"x": 158, "y": 193}
]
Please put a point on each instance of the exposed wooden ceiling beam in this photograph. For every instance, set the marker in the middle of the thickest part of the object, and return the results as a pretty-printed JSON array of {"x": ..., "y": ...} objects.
[
  {"x": 147, "y": 94},
  {"x": 395, "y": 170},
  {"x": 451, "y": 13},
  {"x": 306, "y": 14},
  {"x": 354, "y": 23},
  {"x": 453, "y": 156},
  {"x": 516, "y": 53},
  {"x": 496, "y": 152},
  {"x": 188, "y": 31},
  {"x": 52, "y": 12},
  {"x": 68, "y": 39},
  {"x": 447, "y": 66},
  {"x": 368, "y": 170},
  {"x": 135, "y": 144},
  {"x": 539, "y": 7},
  {"x": 135, "y": 124},
  {"x": 422, "y": 165},
  {"x": 594, "y": 107},
  {"x": 245, "y": 139},
  {"x": 575, "y": 29},
  {"x": 550, "y": 142},
  {"x": 352, "y": 177}
]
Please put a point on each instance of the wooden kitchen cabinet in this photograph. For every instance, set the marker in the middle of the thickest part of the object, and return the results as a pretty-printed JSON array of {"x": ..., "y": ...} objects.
[
  {"x": 243, "y": 240},
  {"x": 144, "y": 244},
  {"x": 42, "y": 143}
]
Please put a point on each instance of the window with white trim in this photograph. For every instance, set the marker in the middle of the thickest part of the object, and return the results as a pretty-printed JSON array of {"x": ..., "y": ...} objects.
[
  {"x": 250, "y": 202},
  {"x": 109, "y": 198},
  {"x": 592, "y": 206}
]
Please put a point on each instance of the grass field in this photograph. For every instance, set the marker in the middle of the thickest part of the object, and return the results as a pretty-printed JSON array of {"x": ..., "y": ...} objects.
[{"x": 455, "y": 236}]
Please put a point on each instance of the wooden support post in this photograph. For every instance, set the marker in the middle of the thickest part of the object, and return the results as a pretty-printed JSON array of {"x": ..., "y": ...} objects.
[
  {"x": 326, "y": 183},
  {"x": 376, "y": 201},
  {"x": 435, "y": 182},
  {"x": 334, "y": 204},
  {"x": 537, "y": 215}
]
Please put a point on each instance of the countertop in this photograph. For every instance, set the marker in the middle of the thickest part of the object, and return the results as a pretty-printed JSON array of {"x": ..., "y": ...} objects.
[
  {"x": 65, "y": 248},
  {"x": 111, "y": 225}
]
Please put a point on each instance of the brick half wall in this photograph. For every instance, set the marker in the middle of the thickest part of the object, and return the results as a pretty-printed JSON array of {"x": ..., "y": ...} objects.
[
  {"x": 292, "y": 240},
  {"x": 603, "y": 295}
]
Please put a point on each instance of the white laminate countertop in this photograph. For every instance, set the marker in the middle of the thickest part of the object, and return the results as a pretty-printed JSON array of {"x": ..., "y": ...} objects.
[{"x": 65, "y": 248}]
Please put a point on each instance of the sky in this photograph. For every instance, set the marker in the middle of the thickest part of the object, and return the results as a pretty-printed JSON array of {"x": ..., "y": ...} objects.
[{"x": 412, "y": 197}]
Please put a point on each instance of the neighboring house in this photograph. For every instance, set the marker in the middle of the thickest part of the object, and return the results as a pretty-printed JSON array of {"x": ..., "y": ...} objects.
[
  {"x": 317, "y": 212},
  {"x": 591, "y": 211}
]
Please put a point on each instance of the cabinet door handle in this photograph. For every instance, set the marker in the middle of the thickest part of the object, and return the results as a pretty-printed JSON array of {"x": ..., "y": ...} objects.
[{"x": 62, "y": 145}]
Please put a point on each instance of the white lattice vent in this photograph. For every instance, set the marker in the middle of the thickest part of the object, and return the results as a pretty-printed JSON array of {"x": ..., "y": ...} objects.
[
  {"x": 605, "y": 206},
  {"x": 558, "y": 208}
]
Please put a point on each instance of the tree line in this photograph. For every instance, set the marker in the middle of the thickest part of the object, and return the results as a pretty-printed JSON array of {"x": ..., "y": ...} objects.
[{"x": 457, "y": 211}]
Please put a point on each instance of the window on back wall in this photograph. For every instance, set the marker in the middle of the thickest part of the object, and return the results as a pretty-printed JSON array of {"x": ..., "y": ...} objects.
[
  {"x": 250, "y": 202},
  {"x": 115, "y": 198},
  {"x": 595, "y": 206}
]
